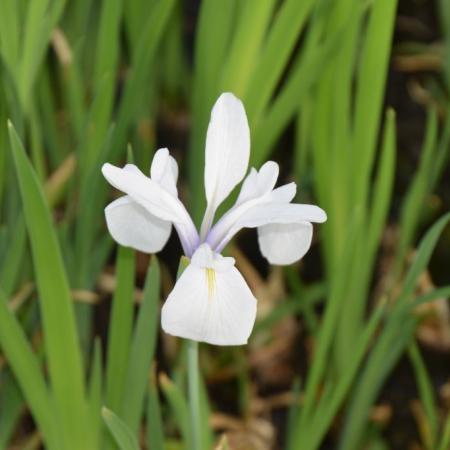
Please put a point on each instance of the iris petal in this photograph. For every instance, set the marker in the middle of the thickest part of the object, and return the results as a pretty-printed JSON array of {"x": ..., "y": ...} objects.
[
  {"x": 158, "y": 197},
  {"x": 283, "y": 244},
  {"x": 211, "y": 302},
  {"x": 227, "y": 152},
  {"x": 133, "y": 226},
  {"x": 283, "y": 228}
]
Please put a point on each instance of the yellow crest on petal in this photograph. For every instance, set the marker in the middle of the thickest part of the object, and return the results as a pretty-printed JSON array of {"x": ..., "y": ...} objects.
[{"x": 210, "y": 281}]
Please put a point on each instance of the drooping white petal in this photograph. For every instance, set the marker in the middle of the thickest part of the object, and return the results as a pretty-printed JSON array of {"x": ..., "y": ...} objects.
[
  {"x": 131, "y": 225},
  {"x": 157, "y": 200},
  {"x": 211, "y": 302},
  {"x": 283, "y": 244},
  {"x": 227, "y": 149}
]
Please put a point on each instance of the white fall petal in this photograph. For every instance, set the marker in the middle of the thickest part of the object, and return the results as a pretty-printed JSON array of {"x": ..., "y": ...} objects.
[
  {"x": 131, "y": 225},
  {"x": 156, "y": 195},
  {"x": 283, "y": 244},
  {"x": 211, "y": 302}
]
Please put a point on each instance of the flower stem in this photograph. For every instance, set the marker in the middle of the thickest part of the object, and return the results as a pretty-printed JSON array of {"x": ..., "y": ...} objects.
[{"x": 194, "y": 394}]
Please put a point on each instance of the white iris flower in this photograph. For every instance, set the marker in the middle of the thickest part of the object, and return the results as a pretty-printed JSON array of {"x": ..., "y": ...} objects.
[{"x": 211, "y": 302}]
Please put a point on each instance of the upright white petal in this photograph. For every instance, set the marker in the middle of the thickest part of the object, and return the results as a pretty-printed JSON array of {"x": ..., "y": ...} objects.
[
  {"x": 156, "y": 199},
  {"x": 227, "y": 151},
  {"x": 283, "y": 244},
  {"x": 164, "y": 170},
  {"x": 283, "y": 194},
  {"x": 257, "y": 193},
  {"x": 131, "y": 225},
  {"x": 258, "y": 183},
  {"x": 211, "y": 302}
]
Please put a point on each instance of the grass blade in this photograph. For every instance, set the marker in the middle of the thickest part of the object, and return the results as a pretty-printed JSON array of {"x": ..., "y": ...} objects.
[
  {"x": 382, "y": 191},
  {"x": 121, "y": 433},
  {"x": 155, "y": 436},
  {"x": 389, "y": 347},
  {"x": 95, "y": 394},
  {"x": 370, "y": 89},
  {"x": 253, "y": 20},
  {"x": 390, "y": 344},
  {"x": 418, "y": 189},
  {"x": 9, "y": 33},
  {"x": 60, "y": 334},
  {"x": 178, "y": 406},
  {"x": 142, "y": 349},
  {"x": 11, "y": 400},
  {"x": 42, "y": 16},
  {"x": 329, "y": 406},
  {"x": 281, "y": 39},
  {"x": 142, "y": 63},
  {"x": 426, "y": 392},
  {"x": 27, "y": 371},
  {"x": 107, "y": 41},
  {"x": 10, "y": 270},
  {"x": 423, "y": 255},
  {"x": 120, "y": 327}
]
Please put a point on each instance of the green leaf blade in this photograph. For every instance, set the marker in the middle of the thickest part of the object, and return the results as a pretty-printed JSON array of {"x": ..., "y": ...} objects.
[
  {"x": 27, "y": 371},
  {"x": 120, "y": 329},
  {"x": 142, "y": 349},
  {"x": 60, "y": 334},
  {"x": 120, "y": 432}
]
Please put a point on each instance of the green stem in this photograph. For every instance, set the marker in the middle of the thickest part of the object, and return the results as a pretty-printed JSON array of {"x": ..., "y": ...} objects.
[{"x": 194, "y": 394}]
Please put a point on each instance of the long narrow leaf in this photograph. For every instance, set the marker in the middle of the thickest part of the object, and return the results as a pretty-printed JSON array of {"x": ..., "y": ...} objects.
[
  {"x": 120, "y": 327},
  {"x": 121, "y": 433},
  {"x": 27, "y": 370},
  {"x": 61, "y": 341},
  {"x": 142, "y": 349},
  {"x": 155, "y": 429},
  {"x": 426, "y": 391},
  {"x": 370, "y": 90}
]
